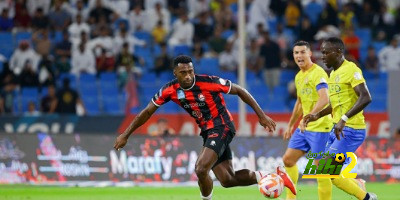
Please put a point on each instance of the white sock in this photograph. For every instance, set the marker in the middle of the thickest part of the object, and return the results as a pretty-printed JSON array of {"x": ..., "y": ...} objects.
[
  {"x": 209, "y": 197},
  {"x": 260, "y": 174}
]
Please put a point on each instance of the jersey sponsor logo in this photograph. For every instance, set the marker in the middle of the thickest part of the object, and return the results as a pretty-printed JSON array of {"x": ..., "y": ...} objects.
[
  {"x": 197, "y": 114},
  {"x": 357, "y": 76},
  {"x": 201, "y": 97},
  {"x": 194, "y": 105},
  {"x": 214, "y": 135},
  {"x": 180, "y": 94}
]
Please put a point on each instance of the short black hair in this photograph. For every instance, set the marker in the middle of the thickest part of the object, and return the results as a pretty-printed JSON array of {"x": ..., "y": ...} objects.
[
  {"x": 302, "y": 43},
  {"x": 337, "y": 42},
  {"x": 182, "y": 59}
]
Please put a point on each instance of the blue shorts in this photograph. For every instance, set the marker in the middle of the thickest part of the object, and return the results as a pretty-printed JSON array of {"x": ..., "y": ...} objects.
[
  {"x": 309, "y": 141},
  {"x": 352, "y": 140}
]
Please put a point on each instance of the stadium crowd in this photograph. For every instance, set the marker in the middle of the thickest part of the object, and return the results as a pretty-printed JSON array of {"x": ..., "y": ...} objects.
[{"x": 62, "y": 53}]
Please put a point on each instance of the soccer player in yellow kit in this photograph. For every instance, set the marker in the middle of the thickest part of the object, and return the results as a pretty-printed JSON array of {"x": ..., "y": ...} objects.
[
  {"x": 312, "y": 97},
  {"x": 348, "y": 95}
]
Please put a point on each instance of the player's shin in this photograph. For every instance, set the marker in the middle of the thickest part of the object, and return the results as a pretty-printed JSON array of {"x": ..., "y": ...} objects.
[
  {"x": 324, "y": 188},
  {"x": 349, "y": 186},
  {"x": 293, "y": 173}
]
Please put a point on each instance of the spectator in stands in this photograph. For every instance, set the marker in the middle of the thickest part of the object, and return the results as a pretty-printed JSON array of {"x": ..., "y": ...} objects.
[
  {"x": 98, "y": 12},
  {"x": 389, "y": 58},
  {"x": 46, "y": 72},
  {"x": 161, "y": 128},
  {"x": 21, "y": 55},
  {"x": 228, "y": 59},
  {"x": 42, "y": 42},
  {"x": 32, "y": 111},
  {"x": 83, "y": 61},
  {"x": 104, "y": 63},
  {"x": 366, "y": 16},
  {"x": 312, "y": 11},
  {"x": 124, "y": 37},
  {"x": 33, "y": 5},
  {"x": 126, "y": 65},
  {"x": 137, "y": 18},
  {"x": 371, "y": 62},
  {"x": 197, "y": 50},
  {"x": 155, "y": 14},
  {"x": 8, "y": 83},
  {"x": 271, "y": 59},
  {"x": 328, "y": 15},
  {"x": 162, "y": 62},
  {"x": 347, "y": 17},
  {"x": 283, "y": 38},
  {"x": 159, "y": 33},
  {"x": 59, "y": 17},
  {"x": 28, "y": 76},
  {"x": 79, "y": 10},
  {"x": 22, "y": 19},
  {"x": 103, "y": 41},
  {"x": 177, "y": 6},
  {"x": 252, "y": 57},
  {"x": 6, "y": 23},
  {"x": 197, "y": 7},
  {"x": 307, "y": 30},
  {"x": 40, "y": 20},
  {"x": 68, "y": 99},
  {"x": 352, "y": 43},
  {"x": 48, "y": 103},
  {"x": 292, "y": 14},
  {"x": 202, "y": 29},
  {"x": 120, "y": 8},
  {"x": 182, "y": 32},
  {"x": 217, "y": 42},
  {"x": 76, "y": 28}
]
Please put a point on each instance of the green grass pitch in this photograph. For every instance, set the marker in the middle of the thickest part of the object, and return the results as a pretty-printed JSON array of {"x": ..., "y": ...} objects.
[{"x": 306, "y": 192}]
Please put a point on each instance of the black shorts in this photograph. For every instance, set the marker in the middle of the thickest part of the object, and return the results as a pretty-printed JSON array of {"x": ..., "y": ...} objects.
[{"x": 218, "y": 139}]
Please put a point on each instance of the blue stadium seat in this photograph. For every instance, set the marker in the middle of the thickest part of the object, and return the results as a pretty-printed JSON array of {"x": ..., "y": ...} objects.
[
  {"x": 147, "y": 78},
  {"x": 22, "y": 36},
  {"x": 287, "y": 76},
  {"x": 88, "y": 84},
  {"x": 144, "y": 36},
  {"x": 365, "y": 37},
  {"x": 378, "y": 46},
  {"x": 166, "y": 77},
  {"x": 28, "y": 95},
  {"x": 91, "y": 103},
  {"x": 56, "y": 37},
  {"x": 6, "y": 44},
  {"x": 207, "y": 66},
  {"x": 232, "y": 102},
  {"x": 111, "y": 105},
  {"x": 228, "y": 33},
  {"x": 181, "y": 50},
  {"x": 276, "y": 104},
  {"x": 71, "y": 77},
  {"x": 143, "y": 51}
]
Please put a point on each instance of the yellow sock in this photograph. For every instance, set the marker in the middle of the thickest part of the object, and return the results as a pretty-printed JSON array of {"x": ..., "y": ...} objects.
[
  {"x": 324, "y": 188},
  {"x": 349, "y": 186},
  {"x": 293, "y": 173}
]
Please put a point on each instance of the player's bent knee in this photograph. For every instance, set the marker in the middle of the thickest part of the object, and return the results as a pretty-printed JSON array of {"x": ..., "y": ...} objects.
[
  {"x": 201, "y": 171},
  {"x": 288, "y": 162}
]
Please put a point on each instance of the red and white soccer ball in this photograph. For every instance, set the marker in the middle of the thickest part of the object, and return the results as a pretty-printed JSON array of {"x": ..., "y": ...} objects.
[{"x": 271, "y": 185}]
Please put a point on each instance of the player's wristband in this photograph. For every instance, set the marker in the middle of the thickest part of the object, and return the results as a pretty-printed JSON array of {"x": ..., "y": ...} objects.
[{"x": 344, "y": 118}]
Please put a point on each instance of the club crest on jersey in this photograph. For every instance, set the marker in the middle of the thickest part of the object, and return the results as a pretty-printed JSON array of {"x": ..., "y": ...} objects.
[
  {"x": 180, "y": 94},
  {"x": 201, "y": 97},
  {"x": 357, "y": 76},
  {"x": 337, "y": 79}
]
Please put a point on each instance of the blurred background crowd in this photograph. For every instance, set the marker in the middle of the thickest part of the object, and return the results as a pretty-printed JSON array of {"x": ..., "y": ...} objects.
[{"x": 95, "y": 57}]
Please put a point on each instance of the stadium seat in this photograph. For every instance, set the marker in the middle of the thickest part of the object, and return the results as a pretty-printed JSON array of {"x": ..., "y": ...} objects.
[
  {"x": 111, "y": 105},
  {"x": 365, "y": 37},
  {"x": 71, "y": 77},
  {"x": 181, "y": 50},
  {"x": 142, "y": 35},
  {"x": 378, "y": 46},
  {"x": 207, "y": 65},
  {"x": 287, "y": 76},
  {"x": 228, "y": 33},
  {"x": 276, "y": 104},
  {"x": 91, "y": 103},
  {"x": 22, "y": 36},
  {"x": 6, "y": 44},
  {"x": 27, "y": 95},
  {"x": 88, "y": 84}
]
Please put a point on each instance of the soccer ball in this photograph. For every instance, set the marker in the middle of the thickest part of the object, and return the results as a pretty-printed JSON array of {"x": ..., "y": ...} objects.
[
  {"x": 271, "y": 185},
  {"x": 340, "y": 157}
]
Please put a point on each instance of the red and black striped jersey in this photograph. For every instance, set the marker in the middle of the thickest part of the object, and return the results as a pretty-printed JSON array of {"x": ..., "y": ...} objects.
[{"x": 203, "y": 100}]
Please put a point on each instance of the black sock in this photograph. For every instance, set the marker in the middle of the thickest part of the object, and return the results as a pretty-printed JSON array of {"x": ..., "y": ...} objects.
[{"x": 366, "y": 197}]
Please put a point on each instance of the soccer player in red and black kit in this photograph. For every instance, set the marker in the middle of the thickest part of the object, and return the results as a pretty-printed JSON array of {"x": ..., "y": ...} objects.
[{"x": 200, "y": 96}]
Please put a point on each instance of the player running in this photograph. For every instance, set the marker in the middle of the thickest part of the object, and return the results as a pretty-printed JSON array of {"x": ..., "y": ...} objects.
[
  {"x": 312, "y": 97},
  {"x": 201, "y": 96},
  {"x": 349, "y": 95}
]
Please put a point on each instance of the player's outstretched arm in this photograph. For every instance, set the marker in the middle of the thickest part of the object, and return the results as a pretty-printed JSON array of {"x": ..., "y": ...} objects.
[
  {"x": 264, "y": 120},
  {"x": 139, "y": 120},
  {"x": 296, "y": 114},
  {"x": 313, "y": 117}
]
